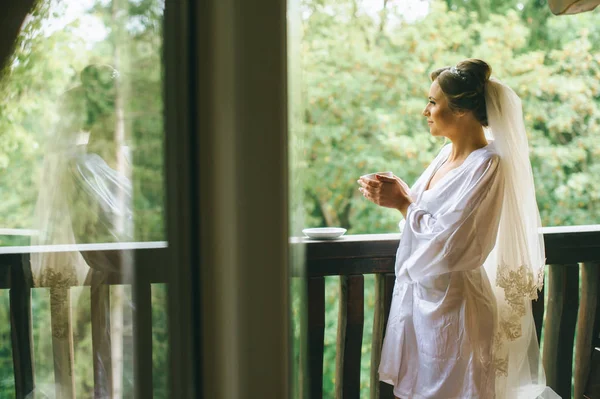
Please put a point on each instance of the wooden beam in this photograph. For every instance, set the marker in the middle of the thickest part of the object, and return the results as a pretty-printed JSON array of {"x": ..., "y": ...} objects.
[
  {"x": 350, "y": 266},
  {"x": 316, "y": 334},
  {"x": 62, "y": 342},
  {"x": 142, "y": 336},
  {"x": 537, "y": 307},
  {"x": 561, "y": 316},
  {"x": 568, "y": 324},
  {"x": 101, "y": 341},
  {"x": 21, "y": 332},
  {"x": 384, "y": 287},
  {"x": 590, "y": 276},
  {"x": 349, "y": 338},
  {"x": 377, "y": 337},
  {"x": 554, "y": 309},
  {"x": 386, "y": 391}
]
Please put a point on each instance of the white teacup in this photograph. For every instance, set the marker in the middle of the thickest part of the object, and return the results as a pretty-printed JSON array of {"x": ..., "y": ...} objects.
[{"x": 373, "y": 176}]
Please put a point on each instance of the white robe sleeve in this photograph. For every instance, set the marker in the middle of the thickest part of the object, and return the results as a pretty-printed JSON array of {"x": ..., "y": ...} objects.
[{"x": 461, "y": 235}]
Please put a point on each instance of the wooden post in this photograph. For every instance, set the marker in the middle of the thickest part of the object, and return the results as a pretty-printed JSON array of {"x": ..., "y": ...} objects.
[
  {"x": 537, "y": 307},
  {"x": 384, "y": 287},
  {"x": 561, "y": 317},
  {"x": 378, "y": 328},
  {"x": 316, "y": 334},
  {"x": 349, "y": 338},
  {"x": 21, "y": 333},
  {"x": 567, "y": 331},
  {"x": 556, "y": 276},
  {"x": 386, "y": 391},
  {"x": 585, "y": 325},
  {"x": 101, "y": 340},
  {"x": 119, "y": 36},
  {"x": 62, "y": 341},
  {"x": 142, "y": 335}
]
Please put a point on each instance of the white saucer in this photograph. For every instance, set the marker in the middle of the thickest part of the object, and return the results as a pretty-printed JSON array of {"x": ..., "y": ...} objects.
[{"x": 324, "y": 233}]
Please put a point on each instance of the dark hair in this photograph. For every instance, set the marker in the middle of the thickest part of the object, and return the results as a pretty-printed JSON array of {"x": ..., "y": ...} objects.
[
  {"x": 464, "y": 86},
  {"x": 99, "y": 76},
  {"x": 99, "y": 83}
]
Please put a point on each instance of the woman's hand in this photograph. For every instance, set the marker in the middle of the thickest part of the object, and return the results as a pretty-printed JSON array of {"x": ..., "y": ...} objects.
[{"x": 389, "y": 192}]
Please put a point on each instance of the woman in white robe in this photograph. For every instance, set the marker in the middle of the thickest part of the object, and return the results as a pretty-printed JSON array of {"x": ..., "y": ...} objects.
[
  {"x": 449, "y": 331},
  {"x": 83, "y": 198}
]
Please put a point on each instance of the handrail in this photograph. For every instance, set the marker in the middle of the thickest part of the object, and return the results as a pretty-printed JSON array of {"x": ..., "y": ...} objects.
[
  {"x": 139, "y": 264},
  {"x": 567, "y": 318},
  {"x": 18, "y": 232},
  {"x": 346, "y": 255},
  {"x": 116, "y": 246}
]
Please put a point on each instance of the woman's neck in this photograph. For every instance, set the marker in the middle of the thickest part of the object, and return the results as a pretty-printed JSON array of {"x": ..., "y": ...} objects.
[{"x": 464, "y": 144}]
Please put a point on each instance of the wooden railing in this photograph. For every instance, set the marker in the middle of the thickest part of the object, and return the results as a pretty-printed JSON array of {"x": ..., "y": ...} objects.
[
  {"x": 569, "y": 315},
  {"x": 135, "y": 264}
]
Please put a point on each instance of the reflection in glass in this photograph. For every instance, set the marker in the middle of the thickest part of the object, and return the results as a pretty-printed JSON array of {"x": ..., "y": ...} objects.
[
  {"x": 84, "y": 194},
  {"x": 58, "y": 90},
  {"x": 81, "y": 162},
  {"x": 298, "y": 300}
]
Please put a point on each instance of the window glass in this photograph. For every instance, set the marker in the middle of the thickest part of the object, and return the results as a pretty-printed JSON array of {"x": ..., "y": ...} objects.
[{"x": 81, "y": 177}]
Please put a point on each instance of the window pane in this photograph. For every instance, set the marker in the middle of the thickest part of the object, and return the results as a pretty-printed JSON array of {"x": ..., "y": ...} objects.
[
  {"x": 81, "y": 114},
  {"x": 82, "y": 220}
]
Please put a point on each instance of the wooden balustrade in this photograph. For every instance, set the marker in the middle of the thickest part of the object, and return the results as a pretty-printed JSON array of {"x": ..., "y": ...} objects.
[
  {"x": 135, "y": 264},
  {"x": 570, "y": 314}
]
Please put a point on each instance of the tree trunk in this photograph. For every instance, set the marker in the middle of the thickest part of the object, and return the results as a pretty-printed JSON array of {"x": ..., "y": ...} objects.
[
  {"x": 331, "y": 217},
  {"x": 118, "y": 17},
  {"x": 361, "y": 26},
  {"x": 383, "y": 16}
]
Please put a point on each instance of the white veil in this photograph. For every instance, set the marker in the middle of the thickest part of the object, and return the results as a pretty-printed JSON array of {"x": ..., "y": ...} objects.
[
  {"x": 516, "y": 265},
  {"x": 81, "y": 200}
]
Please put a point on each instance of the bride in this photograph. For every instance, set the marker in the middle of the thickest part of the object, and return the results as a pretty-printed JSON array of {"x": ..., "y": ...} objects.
[
  {"x": 84, "y": 197},
  {"x": 471, "y": 257}
]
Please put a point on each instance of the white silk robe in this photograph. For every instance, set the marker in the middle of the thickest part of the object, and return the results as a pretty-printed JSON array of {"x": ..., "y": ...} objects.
[{"x": 439, "y": 338}]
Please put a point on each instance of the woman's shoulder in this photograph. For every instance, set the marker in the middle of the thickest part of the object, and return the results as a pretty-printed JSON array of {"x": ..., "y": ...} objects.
[
  {"x": 443, "y": 152},
  {"x": 485, "y": 160},
  {"x": 446, "y": 149},
  {"x": 490, "y": 152},
  {"x": 486, "y": 153},
  {"x": 481, "y": 160}
]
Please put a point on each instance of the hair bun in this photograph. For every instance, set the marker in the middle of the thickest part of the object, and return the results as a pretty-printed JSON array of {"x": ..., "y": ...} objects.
[{"x": 477, "y": 69}]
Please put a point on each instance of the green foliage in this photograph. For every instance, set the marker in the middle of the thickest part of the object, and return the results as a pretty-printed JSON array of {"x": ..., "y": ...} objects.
[
  {"x": 40, "y": 99},
  {"x": 160, "y": 341},
  {"x": 42, "y": 96},
  {"x": 7, "y": 382},
  {"x": 365, "y": 83}
]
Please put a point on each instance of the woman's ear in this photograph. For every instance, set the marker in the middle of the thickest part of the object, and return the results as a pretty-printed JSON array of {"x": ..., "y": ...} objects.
[{"x": 460, "y": 113}]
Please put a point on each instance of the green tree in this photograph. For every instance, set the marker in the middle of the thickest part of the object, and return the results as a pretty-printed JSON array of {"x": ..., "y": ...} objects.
[
  {"x": 46, "y": 64},
  {"x": 365, "y": 82}
]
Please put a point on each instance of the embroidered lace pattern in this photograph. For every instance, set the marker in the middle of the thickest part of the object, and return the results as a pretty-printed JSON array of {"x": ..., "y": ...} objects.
[
  {"x": 519, "y": 285},
  {"x": 59, "y": 284}
]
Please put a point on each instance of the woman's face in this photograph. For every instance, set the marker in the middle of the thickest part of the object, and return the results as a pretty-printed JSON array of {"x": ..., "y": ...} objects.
[{"x": 440, "y": 118}]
